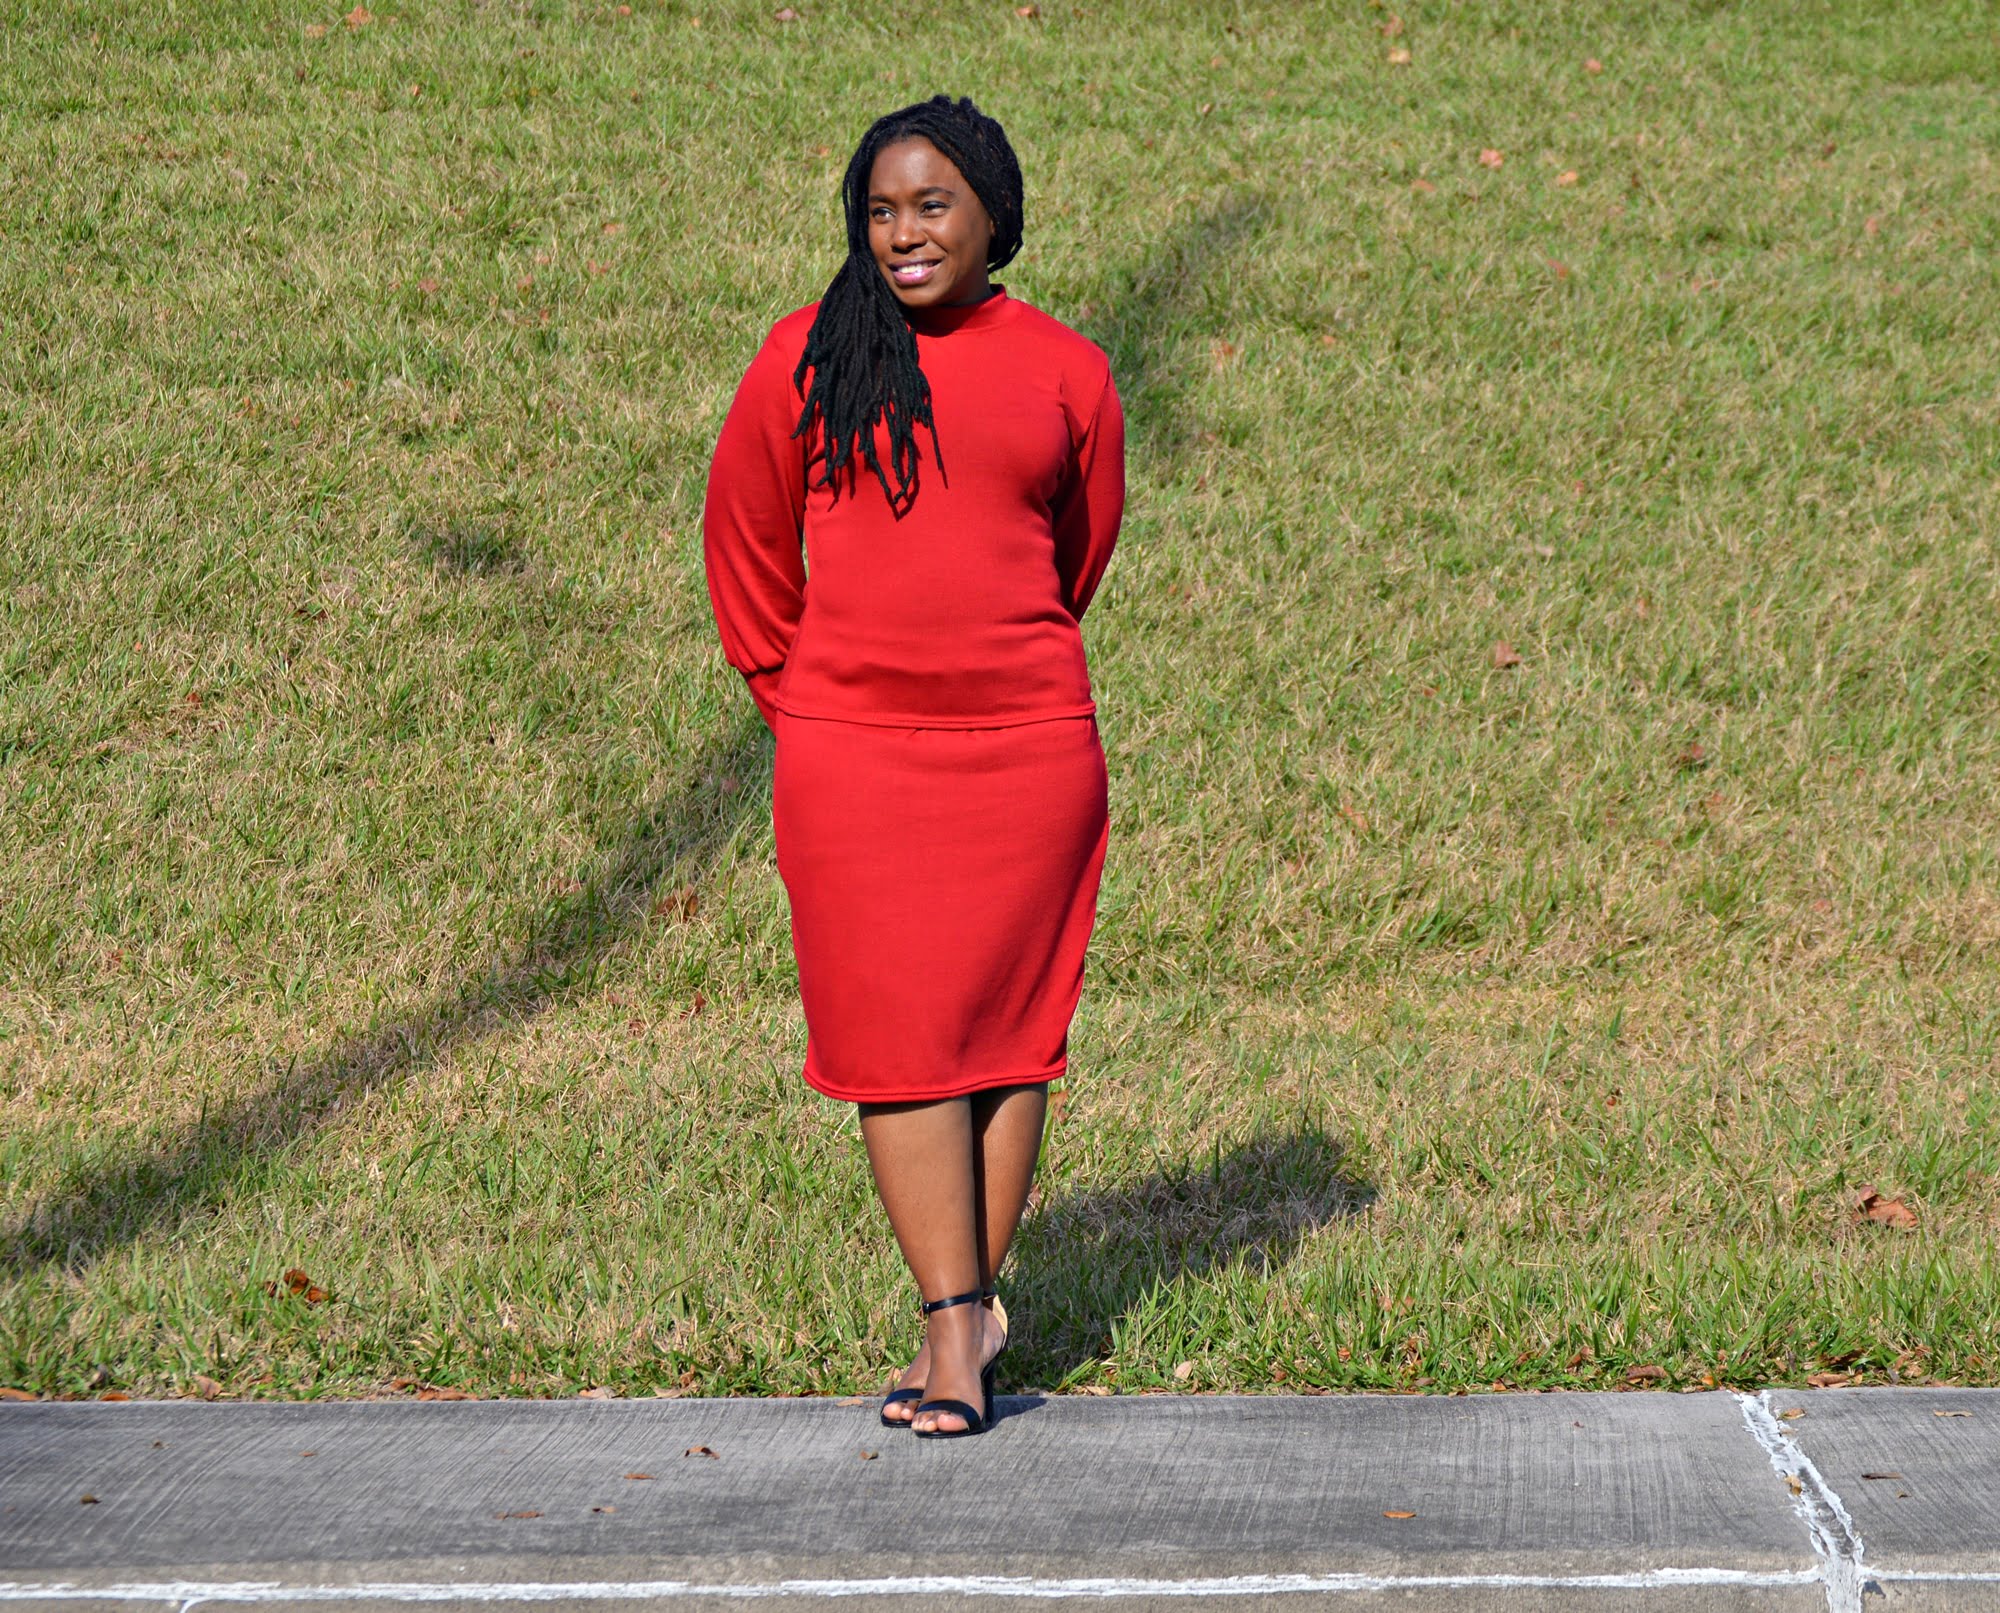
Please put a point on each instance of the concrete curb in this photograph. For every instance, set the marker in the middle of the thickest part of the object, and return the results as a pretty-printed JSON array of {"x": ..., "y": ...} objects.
[{"x": 1838, "y": 1500}]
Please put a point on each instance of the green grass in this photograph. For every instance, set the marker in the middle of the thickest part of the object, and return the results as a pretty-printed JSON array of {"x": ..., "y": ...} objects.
[{"x": 388, "y": 889}]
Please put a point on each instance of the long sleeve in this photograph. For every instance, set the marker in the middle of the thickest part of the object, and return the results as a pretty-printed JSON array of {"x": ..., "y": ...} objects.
[
  {"x": 1086, "y": 522},
  {"x": 752, "y": 526}
]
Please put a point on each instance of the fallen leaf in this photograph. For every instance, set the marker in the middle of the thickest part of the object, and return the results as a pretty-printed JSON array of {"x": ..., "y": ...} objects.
[
  {"x": 1423, "y": 187},
  {"x": 1399, "y": 57},
  {"x": 1951, "y": 1414},
  {"x": 1222, "y": 352},
  {"x": 1692, "y": 755},
  {"x": 682, "y": 904},
  {"x": 697, "y": 1450},
  {"x": 428, "y": 287},
  {"x": 1885, "y": 1211},
  {"x": 1561, "y": 268},
  {"x": 1872, "y": 224},
  {"x": 86, "y": 1500},
  {"x": 517, "y": 1514},
  {"x": 1392, "y": 27},
  {"x": 1826, "y": 1380},
  {"x": 869, "y": 1456},
  {"x": 359, "y": 17},
  {"x": 638, "y": 1475},
  {"x": 1204, "y": 109},
  {"x": 1028, "y": 12},
  {"x": 1891, "y": 1474},
  {"x": 601, "y": 1392},
  {"x": 18, "y": 1394},
  {"x": 1645, "y": 1374},
  {"x": 1792, "y": 1413},
  {"x": 787, "y": 14},
  {"x": 1505, "y": 655},
  {"x": 206, "y": 1386},
  {"x": 603, "y": 1509},
  {"x": 853, "y": 1400},
  {"x": 315, "y": 30},
  {"x": 610, "y": 226},
  {"x": 1792, "y": 1483},
  {"x": 525, "y": 283},
  {"x": 1183, "y": 1372},
  {"x": 1489, "y": 158},
  {"x": 1095, "y": 1389},
  {"x": 1566, "y": 177},
  {"x": 1592, "y": 65},
  {"x": 431, "y": 1392},
  {"x": 1399, "y": 1514},
  {"x": 114, "y": 1394}
]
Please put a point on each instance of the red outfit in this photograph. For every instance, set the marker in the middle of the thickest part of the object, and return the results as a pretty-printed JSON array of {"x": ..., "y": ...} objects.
[{"x": 939, "y": 788}]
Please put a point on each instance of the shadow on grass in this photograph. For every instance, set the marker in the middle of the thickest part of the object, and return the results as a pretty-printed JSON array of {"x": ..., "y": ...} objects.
[
  {"x": 1083, "y": 1265},
  {"x": 1149, "y": 310},
  {"x": 193, "y": 1171}
]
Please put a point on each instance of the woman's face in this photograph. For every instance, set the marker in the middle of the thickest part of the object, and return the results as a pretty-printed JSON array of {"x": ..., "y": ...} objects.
[{"x": 928, "y": 231}]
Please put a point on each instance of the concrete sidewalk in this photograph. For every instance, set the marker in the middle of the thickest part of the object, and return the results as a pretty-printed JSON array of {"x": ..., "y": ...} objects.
[{"x": 1872, "y": 1498}]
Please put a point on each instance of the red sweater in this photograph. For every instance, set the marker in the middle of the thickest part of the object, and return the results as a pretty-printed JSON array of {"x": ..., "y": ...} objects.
[{"x": 963, "y": 611}]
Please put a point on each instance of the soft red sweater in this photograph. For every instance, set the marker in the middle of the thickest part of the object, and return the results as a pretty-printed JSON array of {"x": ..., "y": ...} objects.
[{"x": 962, "y": 612}]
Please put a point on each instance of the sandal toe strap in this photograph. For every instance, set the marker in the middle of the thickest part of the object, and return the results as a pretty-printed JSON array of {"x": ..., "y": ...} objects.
[{"x": 956, "y": 1408}]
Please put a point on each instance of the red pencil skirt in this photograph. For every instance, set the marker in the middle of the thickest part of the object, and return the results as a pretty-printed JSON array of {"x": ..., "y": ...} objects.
[{"x": 943, "y": 884}]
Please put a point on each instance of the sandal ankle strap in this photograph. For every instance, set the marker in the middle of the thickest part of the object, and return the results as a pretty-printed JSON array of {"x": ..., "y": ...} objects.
[{"x": 971, "y": 1297}]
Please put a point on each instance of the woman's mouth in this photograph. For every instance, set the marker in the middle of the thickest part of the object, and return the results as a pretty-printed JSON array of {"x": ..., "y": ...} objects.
[{"x": 914, "y": 274}]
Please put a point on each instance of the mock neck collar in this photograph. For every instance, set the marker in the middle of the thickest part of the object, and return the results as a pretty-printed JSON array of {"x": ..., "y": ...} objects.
[{"x": 960, "y": 316}]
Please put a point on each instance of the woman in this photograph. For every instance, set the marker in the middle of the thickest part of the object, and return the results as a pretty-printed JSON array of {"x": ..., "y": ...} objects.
[{"x": 952, "y": 461}]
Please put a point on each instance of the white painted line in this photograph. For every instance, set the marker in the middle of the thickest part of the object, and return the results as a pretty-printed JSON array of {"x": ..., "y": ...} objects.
[
  {"x": 187, "y": 1594},
  {"x": 1835, "y": 1540},
  {"x": 1941, "y": 1576}
]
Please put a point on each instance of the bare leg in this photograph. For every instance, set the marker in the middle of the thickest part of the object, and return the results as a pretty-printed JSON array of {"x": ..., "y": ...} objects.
[
  {"x": 954, "y": 1178},
  {"x": 1007, "y": 1135}
]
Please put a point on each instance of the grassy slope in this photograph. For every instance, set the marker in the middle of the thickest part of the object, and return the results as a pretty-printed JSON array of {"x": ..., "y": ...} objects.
[{"x": 388, "y": 888}]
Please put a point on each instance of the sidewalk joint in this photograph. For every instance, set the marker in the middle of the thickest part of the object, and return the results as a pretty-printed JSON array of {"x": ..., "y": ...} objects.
[{"x": 1835, "y": 1541}]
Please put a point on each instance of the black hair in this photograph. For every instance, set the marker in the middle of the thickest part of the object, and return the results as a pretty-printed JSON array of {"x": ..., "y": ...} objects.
[{"x": 860, "y": 350}]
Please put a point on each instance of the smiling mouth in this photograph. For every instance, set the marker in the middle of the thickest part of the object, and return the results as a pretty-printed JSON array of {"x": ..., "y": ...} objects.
[{"x": 914, "y": 274}]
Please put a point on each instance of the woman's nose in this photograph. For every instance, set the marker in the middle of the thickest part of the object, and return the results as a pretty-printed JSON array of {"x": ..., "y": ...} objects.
[{"x": 905, "y": 232}]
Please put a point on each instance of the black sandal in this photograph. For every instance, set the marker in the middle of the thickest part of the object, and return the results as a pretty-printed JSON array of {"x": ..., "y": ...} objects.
[
  {"x": 896, "y": 1397},
  {"x": 977, "y": 1419}
]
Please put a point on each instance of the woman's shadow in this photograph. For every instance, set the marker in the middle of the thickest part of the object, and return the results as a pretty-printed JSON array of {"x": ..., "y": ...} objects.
[{"x": 1083, "y": 1265}]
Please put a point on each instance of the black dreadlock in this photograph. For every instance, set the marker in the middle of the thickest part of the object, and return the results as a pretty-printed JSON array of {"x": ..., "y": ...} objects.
[{"x": 860, "y": 350}]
